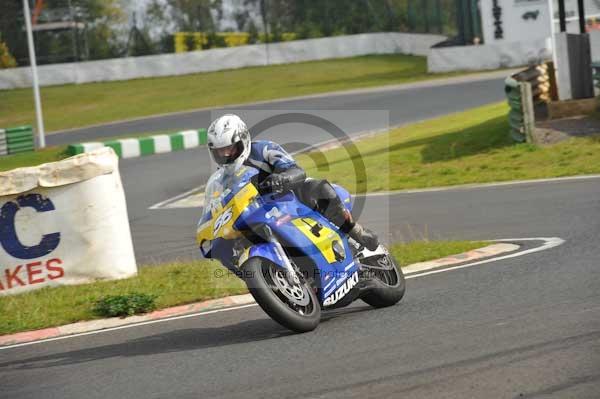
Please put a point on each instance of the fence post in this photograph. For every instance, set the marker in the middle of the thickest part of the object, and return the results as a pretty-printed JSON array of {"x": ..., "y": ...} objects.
[
  {"x": 515, "y": 114},
  {"x": 528, "y": 111}
]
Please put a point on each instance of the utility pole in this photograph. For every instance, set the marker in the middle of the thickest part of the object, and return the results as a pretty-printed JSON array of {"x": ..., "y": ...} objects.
[{"x": 36, "y": 86}]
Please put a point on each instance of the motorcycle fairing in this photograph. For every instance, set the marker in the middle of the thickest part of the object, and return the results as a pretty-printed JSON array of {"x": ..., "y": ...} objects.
[
  {"x": 237, "y": 206},
  {"x": 284, "y": 216},
  {"x": 265, "y": 250}
]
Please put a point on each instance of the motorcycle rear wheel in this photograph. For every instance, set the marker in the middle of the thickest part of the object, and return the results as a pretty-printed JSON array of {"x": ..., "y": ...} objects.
[
  {"x": 294, "y": 306},
  {"x": 391, "y": 286}
]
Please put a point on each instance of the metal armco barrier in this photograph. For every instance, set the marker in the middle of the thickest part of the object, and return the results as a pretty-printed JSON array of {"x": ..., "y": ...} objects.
[
  {"x": 521, "y": 116},
  {"x": 16, "y": 140}
]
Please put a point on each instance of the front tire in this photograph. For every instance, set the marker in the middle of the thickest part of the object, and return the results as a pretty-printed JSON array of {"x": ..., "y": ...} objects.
[
  {"x": 294, "y": 306},
  {"x": 390, "y": 285}
]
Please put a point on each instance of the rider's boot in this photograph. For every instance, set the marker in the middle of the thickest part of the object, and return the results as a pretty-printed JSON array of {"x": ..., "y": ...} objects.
[{"x": 363, "y": 236}]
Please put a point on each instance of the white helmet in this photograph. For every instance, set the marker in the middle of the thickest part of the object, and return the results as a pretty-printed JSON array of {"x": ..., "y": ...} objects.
[{"x": 229, "y": 142}]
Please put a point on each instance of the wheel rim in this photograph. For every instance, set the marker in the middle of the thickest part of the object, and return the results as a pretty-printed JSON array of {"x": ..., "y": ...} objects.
[{"x": 294, "y": 294}]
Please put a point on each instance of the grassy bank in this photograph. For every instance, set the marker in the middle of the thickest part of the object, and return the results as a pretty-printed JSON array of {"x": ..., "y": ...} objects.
[
  {"x": 173, "y": 284},
  {"x": 469, "y": 147},
  {"x": 80, "y": 105},
  {"x": 50, "y": 154}
]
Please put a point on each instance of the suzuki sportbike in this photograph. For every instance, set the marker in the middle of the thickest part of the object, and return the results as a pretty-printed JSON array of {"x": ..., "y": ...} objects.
[{"x": 293, "y": 260}]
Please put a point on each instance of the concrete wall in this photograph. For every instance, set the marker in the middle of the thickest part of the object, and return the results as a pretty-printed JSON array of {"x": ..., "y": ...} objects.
[
  {"x": 219, "y": 59},
  {"x": 488, "y": 56},
  {"x": 497, "y": 55}
]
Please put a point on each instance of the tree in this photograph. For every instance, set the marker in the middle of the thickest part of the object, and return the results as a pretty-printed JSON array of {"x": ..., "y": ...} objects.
[
  {"x": 170, "y": 16},
  {"x": 11, "y": 23},
  {"x": 241, "y": 18},
  {"x": 138, "y": 42},
  {"x": 101, "y": 17},
  {"x": 159, "y": 26},
  {"x": 6, "y": 58},
  {"x": 194, "y": 15},
  {"x": 252, "y": 33}
]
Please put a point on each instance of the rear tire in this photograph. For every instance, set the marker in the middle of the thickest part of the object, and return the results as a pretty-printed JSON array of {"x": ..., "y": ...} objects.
[
  {"x": 391, "y": 286},
  {"x": 259, "y": 277}
]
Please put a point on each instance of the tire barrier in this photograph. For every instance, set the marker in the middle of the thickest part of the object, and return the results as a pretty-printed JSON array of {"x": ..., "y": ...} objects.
[
  {"x": 525, "y": 90},
  {"x": 539, "y": 78},
  {"x": 64, "y": 223},
  {"x": 521, "y": 117},
  {"x": 16, "y": 140}
]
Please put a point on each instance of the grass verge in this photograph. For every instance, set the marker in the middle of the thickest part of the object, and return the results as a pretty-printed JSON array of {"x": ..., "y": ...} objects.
[
  {"x": 468, "y": 147},
  {"x": 93, "y": 103},
  {"x": 34, "y": 158},
  {"x": 173, "y": 284}
]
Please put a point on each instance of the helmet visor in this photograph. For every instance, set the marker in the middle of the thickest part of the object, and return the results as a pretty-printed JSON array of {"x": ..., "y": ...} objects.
[{"x": 227, "y": 155}]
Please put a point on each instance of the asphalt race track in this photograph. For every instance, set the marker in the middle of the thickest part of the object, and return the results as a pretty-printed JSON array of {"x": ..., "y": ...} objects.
[
  {"x": 406, "y": 103},
  {"x": 524, "y": 327},
  {"x": 160, "y": 235}
]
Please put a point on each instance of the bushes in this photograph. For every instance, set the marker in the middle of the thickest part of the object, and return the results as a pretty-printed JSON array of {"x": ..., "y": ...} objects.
[{"x": 124, "y": 305}]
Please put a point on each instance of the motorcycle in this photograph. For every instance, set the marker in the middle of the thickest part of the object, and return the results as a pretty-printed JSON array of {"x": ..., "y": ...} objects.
[{"x": 293, "y": 260}]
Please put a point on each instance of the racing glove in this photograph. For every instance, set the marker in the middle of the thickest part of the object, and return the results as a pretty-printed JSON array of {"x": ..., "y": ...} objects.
[{"x": 280, "y": 182}]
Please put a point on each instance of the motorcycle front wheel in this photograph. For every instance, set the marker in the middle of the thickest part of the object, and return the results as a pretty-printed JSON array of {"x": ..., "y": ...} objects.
[{"x": 293, "y": 304}]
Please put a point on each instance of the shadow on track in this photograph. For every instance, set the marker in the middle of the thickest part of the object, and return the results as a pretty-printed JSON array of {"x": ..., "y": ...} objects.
[{"x": 247, "y": 332}]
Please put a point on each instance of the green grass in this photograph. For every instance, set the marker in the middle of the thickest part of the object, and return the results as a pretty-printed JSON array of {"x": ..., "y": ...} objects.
[
  {"x": 421, "y": 251},
  {"x": 173, "y": 284},
  {"x": 81, "y": 105},
  {"x": 50, "y": 154},
  {"x": 469, "y": 147}
]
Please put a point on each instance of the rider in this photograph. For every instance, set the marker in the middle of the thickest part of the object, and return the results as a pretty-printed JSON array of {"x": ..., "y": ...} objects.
[{"x": 230, "y": 147}]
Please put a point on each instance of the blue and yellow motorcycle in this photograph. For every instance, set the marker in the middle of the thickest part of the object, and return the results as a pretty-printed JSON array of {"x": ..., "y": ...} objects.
[{"x": 293, "y": 260}]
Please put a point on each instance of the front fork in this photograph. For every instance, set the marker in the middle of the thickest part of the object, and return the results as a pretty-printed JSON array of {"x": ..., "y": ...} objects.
[
  {"x": 290, "y": 274},
  {"x": 266, "y": 234}
]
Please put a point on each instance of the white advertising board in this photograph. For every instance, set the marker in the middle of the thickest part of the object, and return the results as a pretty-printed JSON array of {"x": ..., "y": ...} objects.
[
  {"x": 515, "y": 20},
  {"x": 64, "y": 223}
]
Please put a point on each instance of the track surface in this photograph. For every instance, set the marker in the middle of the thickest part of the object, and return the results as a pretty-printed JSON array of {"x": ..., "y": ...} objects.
[
  {"x": 523, "y": 327},
  {"x": 160, "y": 235},
  {"x": 526, "y": 327}
]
